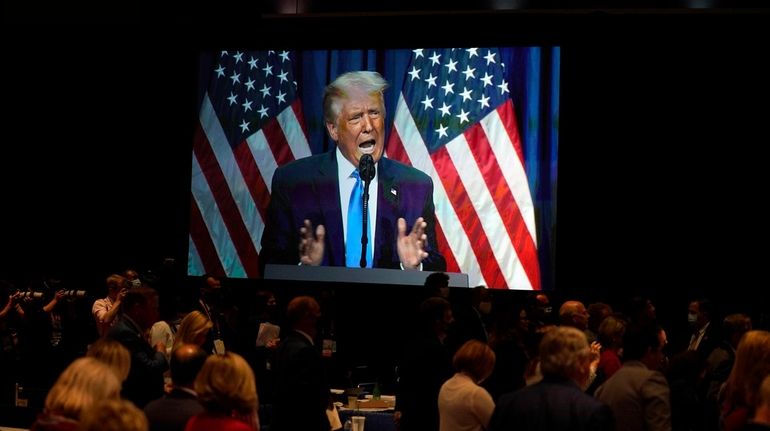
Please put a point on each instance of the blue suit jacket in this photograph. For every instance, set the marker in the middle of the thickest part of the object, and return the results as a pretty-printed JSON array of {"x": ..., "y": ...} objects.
[
  {"x": 552, "y": 404},
  {"x": 308, "y": 189}
]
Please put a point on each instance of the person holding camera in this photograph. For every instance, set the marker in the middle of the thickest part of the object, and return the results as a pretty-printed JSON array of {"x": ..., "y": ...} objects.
[{"x": 106, "y": 310}]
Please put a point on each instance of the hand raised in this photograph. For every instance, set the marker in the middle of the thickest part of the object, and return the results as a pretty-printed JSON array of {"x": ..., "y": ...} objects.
[
  {"x": 311, "y": 245},
  {"x": 411, "y": 247}
]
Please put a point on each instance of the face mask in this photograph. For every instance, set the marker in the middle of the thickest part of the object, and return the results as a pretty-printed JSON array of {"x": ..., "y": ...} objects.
[
  {"x": 692, "y": 319},
  {"x": 136, "y": 283},
  {"x": 485, "y": 307}
]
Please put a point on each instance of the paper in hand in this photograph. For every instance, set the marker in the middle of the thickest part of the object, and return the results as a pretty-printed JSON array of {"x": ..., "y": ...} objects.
[{"x": 267, "y": 332}]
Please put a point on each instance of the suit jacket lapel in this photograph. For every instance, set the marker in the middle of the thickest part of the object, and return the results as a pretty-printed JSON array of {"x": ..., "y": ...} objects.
[
  {"x": 388, "y": 197},
  {"x": 328, "y": 193}
]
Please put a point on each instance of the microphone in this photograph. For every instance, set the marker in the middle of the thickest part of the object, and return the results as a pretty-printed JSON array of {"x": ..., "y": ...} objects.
[{"x": 366, "y": 171}]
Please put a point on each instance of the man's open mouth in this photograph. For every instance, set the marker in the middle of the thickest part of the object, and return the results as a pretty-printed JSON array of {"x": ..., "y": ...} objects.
[{"x": 367, "y": 147}]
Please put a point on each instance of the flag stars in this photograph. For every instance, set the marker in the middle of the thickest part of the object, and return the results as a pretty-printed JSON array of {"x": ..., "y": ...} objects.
[
  {"x": 444, "y": 109},
  {"x": 253, "y": 63},
  {"x": 442, "y": 131},
  {"x": 414, "y": 73},
  {"x": 246, "y": 106},
  {"x": 503, "y": 87},
  {"x": 223, "y": 53},
  {"x": 490, "y": 57},
  {"x": 281, "y": 97},
  {"x": 268, "y": 69},
  {"x": 463, "y": 116},
  {"x": 249, "y": 84},
  {"x": 434, "y": 59},
  {"x": 448, "y": 88},
  {"x": 283, "y": 75},
  {"x": 238, "y": 57},
  {"x": 487, "y": 79},
  {"x": 472, "y": 52},
  {"x": 220, "y": 71},
  {"x": 236, "y": 77},
  {"x": 431, "y": 80},
  {"x": 244, "y": 126},
  {"x": 451, "y": 66},
  {"x": 427, "y": 103},
  {"x": 484, "y": 101},
  {"x": 265, "y": 90},
  {"x": 466, "y": 94},
  {"x": 284, "y": 56},
  {"x": 418, "y": 53},
  {"x": 262, "y": 111},
  {"x": 233, "y": 99},
  {"x": 469, "y": 73}
]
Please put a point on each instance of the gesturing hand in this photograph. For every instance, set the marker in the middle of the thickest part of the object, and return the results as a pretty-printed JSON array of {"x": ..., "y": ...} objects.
[
  {"x": 411, "y": 248},
  {"x": 311, "y": 246}
]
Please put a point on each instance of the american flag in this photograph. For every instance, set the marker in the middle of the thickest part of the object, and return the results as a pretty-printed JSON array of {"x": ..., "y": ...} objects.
[
  {"x": 250, "y": 123},
  {"x": 455, "y": 121}
]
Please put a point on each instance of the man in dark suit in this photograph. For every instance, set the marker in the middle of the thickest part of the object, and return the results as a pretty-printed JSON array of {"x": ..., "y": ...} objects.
[
  {"x": 302, "y": 394},
  {"x": 171, "y": 412},
  {"x": 311, "y": 198},
  {"x": 145, "y": 378},
  {"x": 558, "y": 401}
]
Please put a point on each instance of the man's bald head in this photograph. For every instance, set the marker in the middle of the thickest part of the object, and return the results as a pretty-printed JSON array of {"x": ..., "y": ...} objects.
[{"x": 186, "y": 361}]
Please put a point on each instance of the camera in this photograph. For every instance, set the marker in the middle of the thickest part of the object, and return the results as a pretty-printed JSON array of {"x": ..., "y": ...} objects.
[
  {"x": 29, "y": 295},
  {"x": 72, "y": 293}
]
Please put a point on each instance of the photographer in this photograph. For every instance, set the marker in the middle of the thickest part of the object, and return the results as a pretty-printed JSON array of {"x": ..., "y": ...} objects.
[{"x": 106, "y": 310}]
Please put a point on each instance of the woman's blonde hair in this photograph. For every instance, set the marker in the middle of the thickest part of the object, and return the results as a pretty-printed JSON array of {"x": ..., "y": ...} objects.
[
  {"x": 194, "y": 325},
  {"x": 226, "y": 383},
  {"x": 112, "y": 353},
  {"x": 752, "y": 364},
  {"x": 113, "y": 415},
  {"x": 81, "y": 384}
]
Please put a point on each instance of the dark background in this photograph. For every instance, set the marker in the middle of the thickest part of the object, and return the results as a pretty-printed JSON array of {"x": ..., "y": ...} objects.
[
  {"x": 662, "y": 180},
  {"x": 663, "y": 116}
]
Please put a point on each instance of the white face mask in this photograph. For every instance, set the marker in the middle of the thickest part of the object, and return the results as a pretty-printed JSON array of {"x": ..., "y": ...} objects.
[
  {"x": 136, "y": 283},
  {"x": 692, "y": 319},
  {"x": 485, "y": 307}
]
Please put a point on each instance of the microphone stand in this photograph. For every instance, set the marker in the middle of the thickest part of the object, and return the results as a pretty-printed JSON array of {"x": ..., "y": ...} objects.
[
  {"x": 364, "y": 236},
  {"x": 366, "y": 170}
]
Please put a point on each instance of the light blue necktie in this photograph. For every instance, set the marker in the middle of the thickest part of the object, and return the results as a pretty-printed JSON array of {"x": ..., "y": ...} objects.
[{"x": 355, "y": 221}]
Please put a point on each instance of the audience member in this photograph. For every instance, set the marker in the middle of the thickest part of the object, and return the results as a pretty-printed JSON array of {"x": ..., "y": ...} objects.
[
  {"x": 611, "y": 333},
  {"x": 194, "y": 329},
  {"x": 741, "y": 391},
  {"x": 171, "y": 412},
  {"x": 145, "y": 378},
  {"x": 228, "y": 392},
  {"x": 462, "y": 403},
  {"x": 558, "y": 401},
  {"x": 84, "y": 382},
  {"x": 574, "y": 313},
  {"x": 425, "y": 366},
  {"x": 703, "y": 339},
  {"x": 638, "y": 393},
  {"x": 302, "y": 394}
]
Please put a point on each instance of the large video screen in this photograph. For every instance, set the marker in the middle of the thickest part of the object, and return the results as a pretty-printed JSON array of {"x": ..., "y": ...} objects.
[{"x": 480, "y": 122}]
